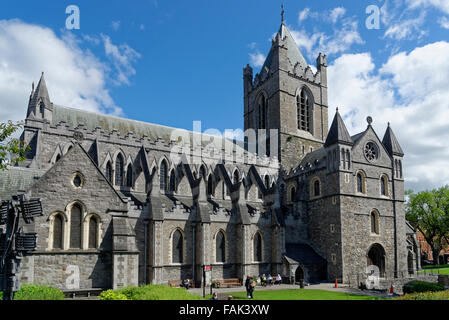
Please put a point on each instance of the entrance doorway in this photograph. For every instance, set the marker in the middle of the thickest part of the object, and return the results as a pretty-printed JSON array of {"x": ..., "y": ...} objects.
[
  {"x": 299, "y": 275},
  {"x": 376, "y": 256}
]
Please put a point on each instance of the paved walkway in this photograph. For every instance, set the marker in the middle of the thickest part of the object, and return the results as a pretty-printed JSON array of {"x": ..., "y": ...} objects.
[{"x": 223, "y": 293}]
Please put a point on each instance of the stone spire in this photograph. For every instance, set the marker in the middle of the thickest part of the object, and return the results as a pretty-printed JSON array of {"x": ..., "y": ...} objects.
[
  {"x": 40, "y": 101},
  {"x": 338, "y": 132},
  {"x": 391, "y": 143}
]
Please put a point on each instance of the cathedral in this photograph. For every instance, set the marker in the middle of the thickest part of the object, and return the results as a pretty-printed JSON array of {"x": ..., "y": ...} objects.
[{"x": 129, "y": 202}]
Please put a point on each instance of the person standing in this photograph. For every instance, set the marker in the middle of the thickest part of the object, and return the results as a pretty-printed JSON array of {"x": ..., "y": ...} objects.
[
  {"x": 248, "y": 286},
  {"x": 252, "y": 286}
]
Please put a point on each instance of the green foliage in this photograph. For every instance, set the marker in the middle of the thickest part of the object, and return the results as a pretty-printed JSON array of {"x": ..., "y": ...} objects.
[
  {"x": 428, "y": 211},
  {"x": 38, "y": 292},
  {"x": 436, "y": 295},
  {"x": 154, "y": 292},
  {"x": 11, "y": 148},
  {"x": 421, "y": 286},
  {"x": 441, "y": 266},
  {"x": 112, "y": 295}
]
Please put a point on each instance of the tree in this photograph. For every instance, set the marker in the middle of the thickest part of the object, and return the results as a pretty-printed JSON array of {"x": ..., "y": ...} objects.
[
  {"x": 428, "y": 211},
  {"x": 11, "y": 149}
]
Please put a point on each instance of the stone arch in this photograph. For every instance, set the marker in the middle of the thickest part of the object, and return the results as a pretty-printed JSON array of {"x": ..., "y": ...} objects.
[
  {"x": 315, "y": 187},
  {"x": 76, "y": 212},
  {"x": 376, "y": 256},
  {"x": 375, "y": 222},
  {"x": 305, "y": 105},
  {"x": 175, "y": 256},
  {"x": 299, "y": 274},
  {"x": 261, "y": 119},
  {"x": 57, "y": 232},
  {"x": 92, "y": 237},
  {"x": 384, "y": 185},
  {"x": 236, "y": 175},
  {"x": 257, "y": 246},
  {"x": 360, "y": 182},
  {"x": 291, "y": 193},
  {"x": 224, "y": 247}
]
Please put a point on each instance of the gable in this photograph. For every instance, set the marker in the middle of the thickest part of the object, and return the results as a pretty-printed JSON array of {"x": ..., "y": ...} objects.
[
  {"x": 358, "y": 150},
  {"x": 56, "y": 186}
]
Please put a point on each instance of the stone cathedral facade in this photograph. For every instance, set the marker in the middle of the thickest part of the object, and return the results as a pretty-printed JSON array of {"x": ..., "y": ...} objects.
[{"x": 123, "y": 207}]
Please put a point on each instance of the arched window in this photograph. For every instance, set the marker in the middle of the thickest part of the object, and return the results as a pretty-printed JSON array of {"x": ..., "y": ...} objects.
[
  {"x": 129, "y": 176},
  {"x": 292, "y": 194},
  {"x": 220, "y": 245},
  {"x": 384, "y": 185},
  {"x": 202, "y": 171},
  {"x": 262, "y": 112},
  {"x": 119, "y": 166},
  {"x": 374, "y": 222},
  {"x": 210, "y": 186},
  {"x": 109, "y": 171},
  {"x": 236, "y": 177},
  {"x": 57, "y": 231},
  {"x": 316, "y": 188},
  {"x": 343, "y": 158},
  {"x": 172, "y": 187},
  {"x": 304, "y": 105},
  {"x": 163, "y": 176},
  {"x": 75, "y": 226},
  {"x": 93, "y": 233},
  {"x": 348, "y": 159},
  {"x": 58, "y": 157},
  {"x": 400, "y": 169},
  {"x": 257, "y": 245},
  {"x": 267, "y": 181},
  {"x": 177, "y": 247},
  {"x": 360, "y": 183}
]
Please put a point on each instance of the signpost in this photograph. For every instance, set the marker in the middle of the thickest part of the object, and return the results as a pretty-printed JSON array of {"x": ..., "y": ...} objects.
[
  {"x": 14, "y": 242},
  {"x": 207, "y": 276}
]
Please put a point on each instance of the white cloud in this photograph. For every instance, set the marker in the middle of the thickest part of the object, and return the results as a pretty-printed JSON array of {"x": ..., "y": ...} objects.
[
  {"x": 75, "y": 77},
  {"x": 303, "y": 15},
  {"x": 337, "y": 13},
  {"x": 257, "y": 59},
  {"x": 407, "y": 28},
  {"x": 410, "y": 91},
  {"x": 442, "y": 5},
  {"x": 344, "y": 36},
  {"x": 444, "y": 22},
  {"x": 122, "y": 57}
]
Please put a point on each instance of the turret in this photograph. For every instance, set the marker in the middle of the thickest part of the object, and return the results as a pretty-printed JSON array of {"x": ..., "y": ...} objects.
[{"x": 39, "y": 107}]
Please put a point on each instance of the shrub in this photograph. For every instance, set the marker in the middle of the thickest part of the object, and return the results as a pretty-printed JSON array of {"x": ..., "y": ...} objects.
[
  {"x": 112, "y": 295},
  {"x": 38, "y": 292},
  {"x": 421, "y": 286},
  {"x": 157, "y": 292},
  {"x": 438, "y": 295}
]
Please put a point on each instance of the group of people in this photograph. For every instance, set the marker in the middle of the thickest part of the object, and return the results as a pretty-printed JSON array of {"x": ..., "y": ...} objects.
[
  {"x": 264, "y": 280},
  {"x": 250, "y": 283}
]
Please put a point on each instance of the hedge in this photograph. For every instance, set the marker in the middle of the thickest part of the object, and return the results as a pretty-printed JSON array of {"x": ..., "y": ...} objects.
[{"x": 421, "y": 286}]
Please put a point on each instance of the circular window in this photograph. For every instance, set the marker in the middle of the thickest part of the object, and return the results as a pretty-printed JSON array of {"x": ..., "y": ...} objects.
[
  {"x": 77, "y": 180},
  {"x": 371, "y": 151}
]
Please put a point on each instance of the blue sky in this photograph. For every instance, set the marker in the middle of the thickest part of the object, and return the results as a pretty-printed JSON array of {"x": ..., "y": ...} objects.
[{"x": 173, "y": 62}]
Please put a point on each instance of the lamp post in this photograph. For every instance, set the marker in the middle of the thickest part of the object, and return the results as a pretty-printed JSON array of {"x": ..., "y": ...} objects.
[{"x": 14, "y": 242}]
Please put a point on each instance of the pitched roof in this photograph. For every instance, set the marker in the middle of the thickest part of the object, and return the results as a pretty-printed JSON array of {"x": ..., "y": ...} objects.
[
  {"x": 17, "y": 179},
  {"x": 91, "y": 120},
  {"x": 303, "y": 253},
  {"x": 41, "y": 92},
  {"x": 391, "y": 143},
  {"x": 293, "y": 53},
  {"x": 338, "y": 132}
]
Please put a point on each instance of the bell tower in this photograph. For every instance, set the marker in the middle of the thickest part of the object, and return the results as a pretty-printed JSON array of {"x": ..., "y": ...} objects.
[{"x": 287, "y": 96}]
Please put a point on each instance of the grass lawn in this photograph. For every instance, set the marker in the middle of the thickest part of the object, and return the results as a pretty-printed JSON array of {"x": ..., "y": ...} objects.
[
  {"x": 441, "y": 269},
  {"x": 298, "y": 294}
]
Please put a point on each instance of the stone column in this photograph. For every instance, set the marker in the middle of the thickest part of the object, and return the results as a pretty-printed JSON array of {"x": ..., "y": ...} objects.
[{"x": 157, "y": 257}]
